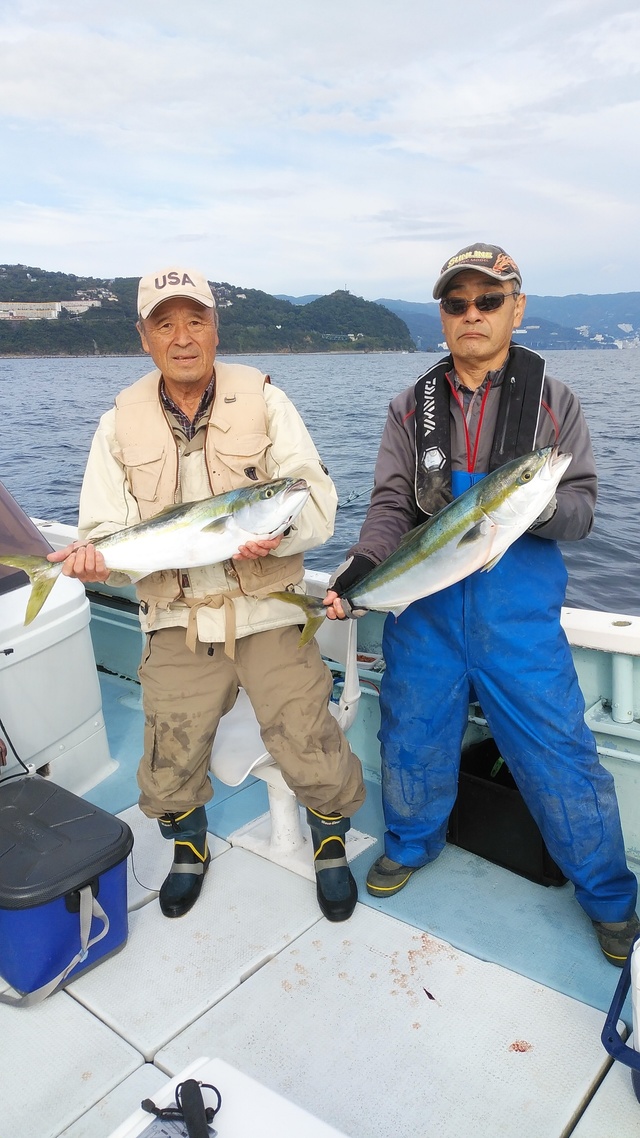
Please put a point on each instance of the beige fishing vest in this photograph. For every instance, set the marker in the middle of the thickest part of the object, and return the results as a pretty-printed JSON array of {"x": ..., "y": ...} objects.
[{"x": 235, "y": 455}]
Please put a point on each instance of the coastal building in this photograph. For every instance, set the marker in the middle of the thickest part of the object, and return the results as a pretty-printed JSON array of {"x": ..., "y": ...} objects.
[{"x": 44, "y": 309}]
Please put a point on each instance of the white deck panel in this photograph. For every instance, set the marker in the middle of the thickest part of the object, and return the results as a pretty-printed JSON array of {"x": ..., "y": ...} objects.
[
  {"x": 614, "y": 1110},
  {"x": 385, "y": 1032},
  {"x": 171, "y": 971},
  {"x": 57, "y": 1062},
  {"x": 248, "y": 1109},
  {"x": 106, "y": 1115},
  {"x": 151, "y": 857}
]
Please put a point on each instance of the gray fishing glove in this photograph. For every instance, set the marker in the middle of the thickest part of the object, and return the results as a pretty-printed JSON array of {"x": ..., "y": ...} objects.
[{"x": 545, "y": 516}]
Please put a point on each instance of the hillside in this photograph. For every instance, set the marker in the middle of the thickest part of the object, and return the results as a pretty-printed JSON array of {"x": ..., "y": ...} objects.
[
  {"x": 250, "y": 320},
  {"x": 255, "y": 321},
  {"x": 568, "y": 322},
  {"x": 606, "y": 320}
]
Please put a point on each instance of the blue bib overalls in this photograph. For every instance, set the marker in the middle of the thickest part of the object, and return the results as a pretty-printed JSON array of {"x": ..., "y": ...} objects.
[{"x": 496, "y": 636}]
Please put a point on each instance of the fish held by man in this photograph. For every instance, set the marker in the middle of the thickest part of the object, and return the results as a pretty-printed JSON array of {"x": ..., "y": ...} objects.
[
  {"x": 470, "y": 533},
  {"x": 182, "y": 537}
]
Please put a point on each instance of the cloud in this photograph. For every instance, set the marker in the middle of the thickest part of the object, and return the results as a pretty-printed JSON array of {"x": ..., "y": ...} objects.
[{"x": 296, "y": 148}]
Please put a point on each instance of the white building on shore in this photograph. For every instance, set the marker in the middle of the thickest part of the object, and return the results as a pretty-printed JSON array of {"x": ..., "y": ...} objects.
[{"x": 43, "y": 309}]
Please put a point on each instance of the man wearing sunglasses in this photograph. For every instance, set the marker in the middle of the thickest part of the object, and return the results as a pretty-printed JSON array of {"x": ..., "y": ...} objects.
[{"x": 494, "y": 637}]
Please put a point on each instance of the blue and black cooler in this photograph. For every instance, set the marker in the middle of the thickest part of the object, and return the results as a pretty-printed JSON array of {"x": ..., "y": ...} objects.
[{"x": 63, "y": 887}]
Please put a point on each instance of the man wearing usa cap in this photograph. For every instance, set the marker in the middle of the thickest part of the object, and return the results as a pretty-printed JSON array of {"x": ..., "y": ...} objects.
[
  {"x": 495, "y": 637},
  {"x": 191, "y": 428}
]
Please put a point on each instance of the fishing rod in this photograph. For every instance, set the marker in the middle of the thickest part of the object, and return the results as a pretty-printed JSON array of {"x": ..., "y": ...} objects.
[{"x": 353, "y": 497}]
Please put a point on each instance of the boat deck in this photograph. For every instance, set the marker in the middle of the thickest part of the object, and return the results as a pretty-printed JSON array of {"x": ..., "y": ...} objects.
[{"x": 469, "y": 1005}]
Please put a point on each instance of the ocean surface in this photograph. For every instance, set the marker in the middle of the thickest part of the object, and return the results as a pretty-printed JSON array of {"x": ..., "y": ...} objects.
[{"x": 52, "y": 406}]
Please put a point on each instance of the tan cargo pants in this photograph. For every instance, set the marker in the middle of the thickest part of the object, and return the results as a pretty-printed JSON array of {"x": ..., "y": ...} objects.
[{"x": 186, "y": 693}]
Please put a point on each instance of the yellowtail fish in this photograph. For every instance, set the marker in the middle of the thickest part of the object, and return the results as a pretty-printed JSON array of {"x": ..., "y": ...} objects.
[
  {"x": 472, "y": 532},
  {"x": 182, "y": 537}
]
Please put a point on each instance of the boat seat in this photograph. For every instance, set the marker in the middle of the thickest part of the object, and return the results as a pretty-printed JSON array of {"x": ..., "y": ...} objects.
[{"x": 239, "y": 751}]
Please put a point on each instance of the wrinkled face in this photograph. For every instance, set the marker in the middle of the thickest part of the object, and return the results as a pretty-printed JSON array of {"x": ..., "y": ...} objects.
[
  {"x": 181, "y": 337},
  {"x": 481, "y": 338}
]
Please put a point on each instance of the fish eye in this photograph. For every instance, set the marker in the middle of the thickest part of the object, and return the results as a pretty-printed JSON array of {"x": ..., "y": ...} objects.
[
  {"x": 269, "y": 493},
  {"x": 527, "y": 476}
]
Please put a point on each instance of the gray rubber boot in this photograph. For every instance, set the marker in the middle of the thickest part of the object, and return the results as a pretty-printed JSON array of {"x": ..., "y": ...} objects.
[
  {"x": 387, "y": 877},
  {"x": 335, "y": 887},
  {"x": 616, "y": 939},
  {"x": 181, "y": 889}
]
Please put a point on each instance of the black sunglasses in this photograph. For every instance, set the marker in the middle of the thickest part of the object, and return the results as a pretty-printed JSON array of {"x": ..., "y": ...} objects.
[{"x": 487, "y": 302}]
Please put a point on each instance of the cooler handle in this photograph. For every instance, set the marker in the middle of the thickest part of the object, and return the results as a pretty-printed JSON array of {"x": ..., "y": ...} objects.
[
  {"x": 612, "y": 1041},
  {"x": 89, "y": 908}
]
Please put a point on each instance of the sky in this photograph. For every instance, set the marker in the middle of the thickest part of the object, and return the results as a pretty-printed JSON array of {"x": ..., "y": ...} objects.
[{"x": 299, "y": 147}]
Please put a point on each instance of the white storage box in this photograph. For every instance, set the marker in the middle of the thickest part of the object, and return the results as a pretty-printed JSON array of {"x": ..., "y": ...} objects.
[{"x": 50, "y": 702}]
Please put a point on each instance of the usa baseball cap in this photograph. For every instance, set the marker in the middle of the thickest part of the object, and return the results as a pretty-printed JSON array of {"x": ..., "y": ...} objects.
[
  {"x": 156, "y": 287},
  {"x": 488, "y": 259}
]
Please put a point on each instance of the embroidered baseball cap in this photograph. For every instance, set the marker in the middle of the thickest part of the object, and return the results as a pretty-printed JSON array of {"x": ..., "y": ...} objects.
[
  {"x": 488, "y": 259},
  {"x": 156, "y": 287}
]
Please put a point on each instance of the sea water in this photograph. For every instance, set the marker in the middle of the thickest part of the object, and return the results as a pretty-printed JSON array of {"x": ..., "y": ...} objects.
[{"x": 51, "y": 408}]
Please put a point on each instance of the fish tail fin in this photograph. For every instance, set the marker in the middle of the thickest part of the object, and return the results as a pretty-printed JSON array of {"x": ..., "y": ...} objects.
[
  {"x": 313, "y": 609},
  {"x": 43, "y": 575}
]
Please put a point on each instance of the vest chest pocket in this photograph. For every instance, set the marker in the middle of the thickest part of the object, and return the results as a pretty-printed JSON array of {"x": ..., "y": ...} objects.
[
  {"x": 245, "y": 456},
  {"x": 265, "y": 573},
  {"x": 144, "y": 468}
]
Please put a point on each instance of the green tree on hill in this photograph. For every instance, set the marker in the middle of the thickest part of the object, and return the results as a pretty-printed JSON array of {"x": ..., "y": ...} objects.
[
  {"x": 250, "y": 320},
  {"x": 340, "y": 313}
]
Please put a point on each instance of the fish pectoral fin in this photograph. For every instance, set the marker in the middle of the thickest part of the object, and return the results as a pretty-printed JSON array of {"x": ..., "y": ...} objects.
[
  {"x": 134, "y": 575},
  {"x": 494, "y": 561},
  {"x": 218, "y": 525},
  {"x": 478, "y": 531}
]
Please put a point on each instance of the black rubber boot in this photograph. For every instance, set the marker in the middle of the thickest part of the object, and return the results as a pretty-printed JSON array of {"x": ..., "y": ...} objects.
[
  {"x": 181, "y": 889},
  {"x": 336, "y": 889}
]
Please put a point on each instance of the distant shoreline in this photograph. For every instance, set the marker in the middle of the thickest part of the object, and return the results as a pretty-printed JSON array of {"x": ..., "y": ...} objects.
[
  {"x": 266, "y": 352},
  {"x": 222, "y": 354}
]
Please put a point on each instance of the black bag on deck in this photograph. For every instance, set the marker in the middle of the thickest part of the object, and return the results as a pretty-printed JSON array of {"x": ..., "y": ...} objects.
[{"x": 490, "y": 817}]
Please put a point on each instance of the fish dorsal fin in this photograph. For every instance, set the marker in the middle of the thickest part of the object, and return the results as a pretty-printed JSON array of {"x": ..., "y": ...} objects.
[
  {"x": 180, "y": 508},
  {"x": 410, "y": 534},
  {"x": 494, "y": 561},
  {"x": 177, "y": 507},
  {"x": 480, "y": 529},
  {"x": 406, "y": 538}
]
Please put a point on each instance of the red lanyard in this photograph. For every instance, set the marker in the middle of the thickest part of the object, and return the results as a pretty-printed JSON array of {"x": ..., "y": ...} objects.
[{"x": 471, "y": 458}]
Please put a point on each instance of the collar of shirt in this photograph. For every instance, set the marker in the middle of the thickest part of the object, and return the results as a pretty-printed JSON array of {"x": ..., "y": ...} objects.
[
  {"x": 493, "y": 377},
  {"x": 189, "y": 426}
]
